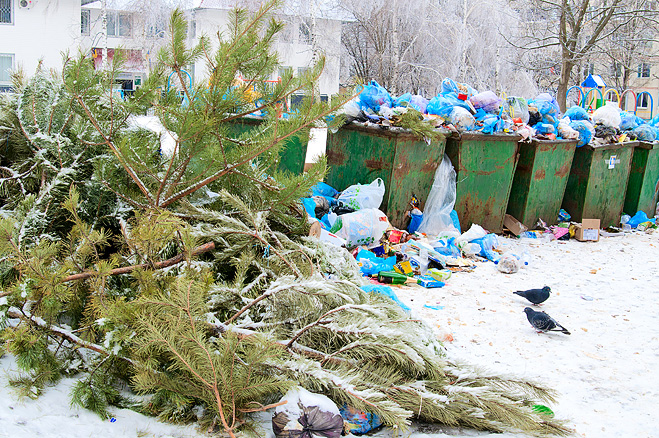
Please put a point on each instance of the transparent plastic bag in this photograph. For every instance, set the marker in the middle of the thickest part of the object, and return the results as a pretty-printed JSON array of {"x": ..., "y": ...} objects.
[
  {"x": 486, "y": 100},
  {"x": 517, "y": 107},
  {"x": 440, "y": 202},
  {"x": 363, "y": 227},
  {"x": 462, "y": 118},
  {"x": 360, "y": 196}
]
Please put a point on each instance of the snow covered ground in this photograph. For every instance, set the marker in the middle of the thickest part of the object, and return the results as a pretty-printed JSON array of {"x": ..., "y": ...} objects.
[{"x": 605, "y": 293}]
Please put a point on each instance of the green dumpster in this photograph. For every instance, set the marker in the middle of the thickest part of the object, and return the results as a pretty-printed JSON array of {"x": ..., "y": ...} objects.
[
  {"x": 292, "y": 154},
  {"x": 358, "y": 155},
  {"x": 643, "y": 183},
  {"x": 598, "y": 182},
  {"x": 485, "y": 166},
  {"x": 542, "y": 172}
]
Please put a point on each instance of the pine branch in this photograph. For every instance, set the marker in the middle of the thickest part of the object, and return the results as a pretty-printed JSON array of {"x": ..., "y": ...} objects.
[{"x": 158, "y": 265}]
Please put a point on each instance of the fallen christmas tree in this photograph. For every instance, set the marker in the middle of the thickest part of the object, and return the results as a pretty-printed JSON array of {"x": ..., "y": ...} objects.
[{"x": 186, "y": 274}]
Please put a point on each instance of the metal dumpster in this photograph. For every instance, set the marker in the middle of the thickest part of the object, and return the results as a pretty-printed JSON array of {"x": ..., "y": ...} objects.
[
  {"x": 485, "y": 166},
  {"x": 643, "y": 183},
  {"x": 539, "y": 184},
  {"x": 598, "y": 182},
  {"x": 292, "y": 154},
  {"x": 357, "y": 155}
]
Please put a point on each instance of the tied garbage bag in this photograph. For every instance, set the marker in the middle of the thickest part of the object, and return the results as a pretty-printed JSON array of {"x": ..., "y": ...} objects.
[
  {"x": 608, "y": 115},
  {"x": 508, "y": 264},
  {"x": 415, "y": 101},
  {"x": 547, "y": 111},
  {"x": 439, "y": 106},
  {"x": 374, "y": 96},
  {"x": 449, "y": 86},
  {"x": 645, "y": 133},
  {"x": 363, "y": 227},
  {"x": 462, "y": 118},
  {"x": 307, "y": 415},
  {"x": 577, "y": 113},
  {"x": 551, "y": 100},
  {"x": 360, "y": 196},
  {"x": 486, "y": 100},
  {"x": 627, "y": 121},
  {"x": 585, "y": 130},
  {"x": 517, "y": 107},
  {"x": 492, "y": 124},
  {"x": 440, "y": 202}
]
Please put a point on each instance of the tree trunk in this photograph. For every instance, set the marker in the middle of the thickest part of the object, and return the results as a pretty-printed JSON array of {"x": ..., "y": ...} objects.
[{"x": 563, "y": 83}]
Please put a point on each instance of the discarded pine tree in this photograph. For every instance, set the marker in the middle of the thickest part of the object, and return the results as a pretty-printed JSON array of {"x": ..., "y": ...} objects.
[{"x": 185, "y": 273}]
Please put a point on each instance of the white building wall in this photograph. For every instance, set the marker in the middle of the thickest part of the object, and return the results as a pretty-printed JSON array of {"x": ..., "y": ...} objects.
[{"x": 41, "y": 32}]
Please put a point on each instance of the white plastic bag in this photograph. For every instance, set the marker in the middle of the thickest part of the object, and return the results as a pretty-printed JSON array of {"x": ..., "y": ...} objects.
[
  {"x": 440, "y": 202},
  {"x": 608, "y": 115},
  {"x": 567, "y": 132},
  {"x": 363, "y": 227},
  {"x": 361, "y": 196},
  {"x": 475, "y": 232}
]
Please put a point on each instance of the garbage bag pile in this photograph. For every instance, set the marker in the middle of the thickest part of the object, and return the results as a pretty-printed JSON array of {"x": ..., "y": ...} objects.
[
  {"x": 460, "y": 108},
  {"x": 388, "y": 255},
  {"x": 609, "y": 124}
]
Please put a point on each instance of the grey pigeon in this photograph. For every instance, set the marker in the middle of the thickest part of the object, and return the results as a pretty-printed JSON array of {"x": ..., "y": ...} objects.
[
  {"x": 543, "y": 322},
  {"x": 536, "y": 296}
]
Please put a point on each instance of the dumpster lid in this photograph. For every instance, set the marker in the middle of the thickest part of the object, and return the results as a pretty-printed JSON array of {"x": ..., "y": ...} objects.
[
  {"x": 389, "y": 132},
  {"x": 611, "y": 145},
  {"x": 558, "y": 140},
  {"x": 647, "y": 145},
  {"x": 484, "y": 137}
]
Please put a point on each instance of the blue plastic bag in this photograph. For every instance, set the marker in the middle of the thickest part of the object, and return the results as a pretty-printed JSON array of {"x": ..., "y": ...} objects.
[
  {"x": 492, "y": 124},
  {"x": 645, "y": 133},
  {"x": 439, "y": 106},
  {"x": 371, "y": 264},
  {"x": 639, "y": 218},
  {"x": 415, "y": 221},
  {"x": 310, "y": 206},
  {"x": 449, "y": 86},
  {"x": 387, "y": 292},
  {"x": 358, "y": 422},
  {"x": 577, "y": 113},
  {"x": 448, "y": 248},
  {"x": 456, "y": 221},
  {"x": 374, "y": 96},
  {"x": 628, "y": 121},
  {"x": 487, "y": 244},
  {"x": 584, "y": 130},
  {"x": 326, "y": 191},
  {"x": 544, "y": 128},
  {"x": 551, "y": 100}
]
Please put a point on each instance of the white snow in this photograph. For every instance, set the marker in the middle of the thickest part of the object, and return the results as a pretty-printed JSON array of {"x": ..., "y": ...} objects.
[{"x": 605, "y": 293}]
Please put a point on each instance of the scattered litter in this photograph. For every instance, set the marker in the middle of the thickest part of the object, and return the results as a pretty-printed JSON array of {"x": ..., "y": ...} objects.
[{"x": 434, "y": 307}]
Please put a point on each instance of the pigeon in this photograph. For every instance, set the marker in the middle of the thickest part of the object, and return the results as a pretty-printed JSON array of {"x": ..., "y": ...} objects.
[
  {"x": 542, "y": 322},
  {"x": 536, "y": 296}
]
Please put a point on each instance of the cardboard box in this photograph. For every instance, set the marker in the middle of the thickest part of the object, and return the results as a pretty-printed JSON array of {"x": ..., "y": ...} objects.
[
  {"x": 515, "y": 226},
  {"x": 588, "y": 231}
]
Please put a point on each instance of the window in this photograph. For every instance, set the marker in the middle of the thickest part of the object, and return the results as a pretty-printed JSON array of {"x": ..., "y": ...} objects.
[
  {"x": 643, "y": 70},
  {"x": 6, "y": 66},
  {"x": 84, "y": 22},
  {"x": 305, "y": 31},
  {"x": 156, "y": 29},
  {"x": 616, "y": 69},
  {"x": 643, "y": 101},
  {"x": 283, "y": 69},
  {"x": 588, "y": 69},
  {"x": 302, "y": 70},
  {"x": 6, "y": 11},
  {"x": 120, "y": 24}
]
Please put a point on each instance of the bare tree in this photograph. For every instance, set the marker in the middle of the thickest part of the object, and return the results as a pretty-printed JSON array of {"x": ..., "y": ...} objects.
[{"x": 574, "y": 30}]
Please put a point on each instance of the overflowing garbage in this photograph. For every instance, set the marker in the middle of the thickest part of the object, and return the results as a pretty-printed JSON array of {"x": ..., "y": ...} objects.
[{"x": 460, "y": 108}]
